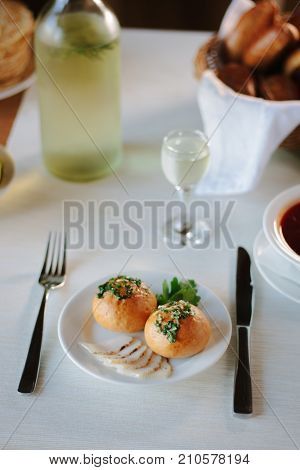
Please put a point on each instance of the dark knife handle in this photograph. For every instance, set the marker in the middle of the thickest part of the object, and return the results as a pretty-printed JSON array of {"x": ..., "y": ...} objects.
[
  {"x": 242, "y": 403},
  {"x": 31, "y": 369}
]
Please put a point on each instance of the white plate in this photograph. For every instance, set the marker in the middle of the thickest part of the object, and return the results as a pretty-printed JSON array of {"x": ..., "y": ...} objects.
[
  {"x": 76, "y": 325},
  {"x": 283, "y": 285},
  {"x": 17, "y": 87}
]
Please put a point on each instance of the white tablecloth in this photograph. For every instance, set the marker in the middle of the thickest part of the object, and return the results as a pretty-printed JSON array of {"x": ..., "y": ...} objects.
[{"x": 75, "y": 410}]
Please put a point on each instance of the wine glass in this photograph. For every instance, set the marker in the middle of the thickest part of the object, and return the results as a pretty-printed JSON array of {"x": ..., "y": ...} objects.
[{"x": 184, "y": 158}]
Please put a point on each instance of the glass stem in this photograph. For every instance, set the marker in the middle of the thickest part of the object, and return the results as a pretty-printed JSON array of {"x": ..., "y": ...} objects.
[{"x": 184, "y": 195}]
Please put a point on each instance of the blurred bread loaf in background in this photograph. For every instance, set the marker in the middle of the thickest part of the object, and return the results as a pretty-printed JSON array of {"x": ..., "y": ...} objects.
[
  {"x": 260, "y": 55},
  {"x": 16, "y": 32},
  {"x": 249, "y": 28}
]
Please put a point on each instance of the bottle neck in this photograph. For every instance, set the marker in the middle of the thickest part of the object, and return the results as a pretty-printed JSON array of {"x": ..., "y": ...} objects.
[{"x": 95, "y": 6}]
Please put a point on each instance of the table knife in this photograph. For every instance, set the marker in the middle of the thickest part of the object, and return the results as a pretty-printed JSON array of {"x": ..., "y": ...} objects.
[{"x": 242, "y": 388}]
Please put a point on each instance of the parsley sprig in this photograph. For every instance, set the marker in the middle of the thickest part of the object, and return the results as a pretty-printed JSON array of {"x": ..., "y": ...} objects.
[
  {"x": 90, "y": 51},
  {"x": 179, "y": 290}
]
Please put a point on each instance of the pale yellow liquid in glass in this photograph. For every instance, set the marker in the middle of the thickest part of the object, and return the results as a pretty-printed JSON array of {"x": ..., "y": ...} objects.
[
  {"x": 79, "y": 98},
  {"x": 184, "y": 160}
]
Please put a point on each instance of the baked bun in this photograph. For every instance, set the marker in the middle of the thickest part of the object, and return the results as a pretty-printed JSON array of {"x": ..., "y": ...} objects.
[
  {"x": 293, "y": 18},
  {"x": 249, "y": 28},
  {"x": 177, "y": 329},
  {"x": 292, "y": 66},
  {"x": 238, "y": 77},
  {"x": 278, "y": 88},
  {"x": 270, "y": 45},
  {"x": 123, "y": 304},
  {"x": 16, "y": 31}
]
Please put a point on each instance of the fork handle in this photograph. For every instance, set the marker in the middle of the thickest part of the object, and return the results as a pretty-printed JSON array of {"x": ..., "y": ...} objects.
[
  {"x": 31, "y": 369},
  {"x": 242, "y": 387}
]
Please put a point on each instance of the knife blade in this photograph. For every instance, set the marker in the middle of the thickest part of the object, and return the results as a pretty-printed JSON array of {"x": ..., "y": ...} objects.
[
  {"x": 244, "y": 288},
  {"x": 244, "y": 293}
]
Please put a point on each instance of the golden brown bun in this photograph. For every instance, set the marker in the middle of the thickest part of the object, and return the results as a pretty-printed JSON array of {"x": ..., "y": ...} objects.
[
  {"x": 126, "y": 315},
  {"x": 15, "y": 65},
  {"x": 293, "y": 18},
  {"x": 249, "y": 28},
  {"x": 292, "y": 63},
  {"x": 16, "y": 21},
  {"x": 192, "y": 337},
  {"x": 278, "y": 88},
  {"x": 270, "y": 45},
  {"x": 16, "y": 31},
  {"x": 237, "y": 77}
]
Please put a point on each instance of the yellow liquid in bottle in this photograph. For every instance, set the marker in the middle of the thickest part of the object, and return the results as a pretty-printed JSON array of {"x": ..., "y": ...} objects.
[{"x": 79, "y": 96}]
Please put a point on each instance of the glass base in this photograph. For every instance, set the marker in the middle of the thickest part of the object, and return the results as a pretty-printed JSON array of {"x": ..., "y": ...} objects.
[{"x": 196, "y": 234}]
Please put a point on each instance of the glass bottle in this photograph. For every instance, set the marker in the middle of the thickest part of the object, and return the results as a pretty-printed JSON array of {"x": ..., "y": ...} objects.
[{"x": 78, "y": 75}]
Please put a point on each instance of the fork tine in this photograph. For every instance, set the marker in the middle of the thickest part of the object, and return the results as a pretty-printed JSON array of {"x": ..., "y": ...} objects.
[
  {"x": 56, "y": 271},
  {"x": 51, "y": 266},
  {"x": 43, "y": 271},
  {"x": 63, "y": 267}
]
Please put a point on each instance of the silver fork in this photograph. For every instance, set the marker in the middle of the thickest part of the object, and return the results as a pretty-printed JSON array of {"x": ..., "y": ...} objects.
[{"x": 52, "y": 276}]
